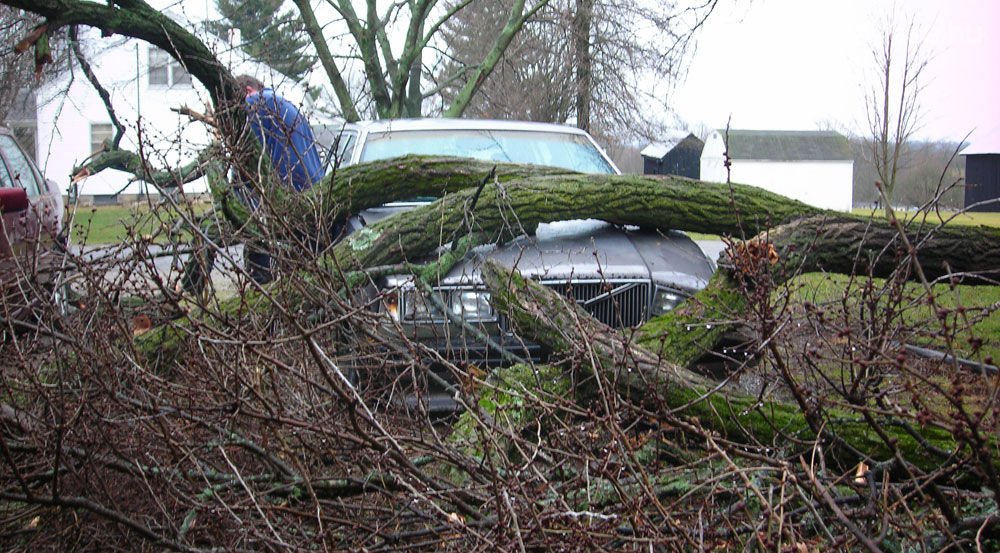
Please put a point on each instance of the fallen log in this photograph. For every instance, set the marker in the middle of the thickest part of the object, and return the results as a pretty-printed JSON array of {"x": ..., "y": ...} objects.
[
  {"x": 809, "y": 238},
  {"x": 657, "y": 203},
  {"x": 522, "y": 197},
  {"x": 655, "y": 384}
]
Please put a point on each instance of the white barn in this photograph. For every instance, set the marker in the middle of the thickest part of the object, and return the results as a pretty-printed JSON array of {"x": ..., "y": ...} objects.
[
  {"x": 814, "y": 167},
  {"x": 146, "y": 86}
]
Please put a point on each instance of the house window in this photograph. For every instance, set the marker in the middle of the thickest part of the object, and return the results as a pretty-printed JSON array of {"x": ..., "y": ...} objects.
[
  {"x": 99, "y": 132},
  {"x": 165, "y": 70}
]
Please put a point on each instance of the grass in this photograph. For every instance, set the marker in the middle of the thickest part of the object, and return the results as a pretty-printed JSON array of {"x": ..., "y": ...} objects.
[
  {"x": 112, "y": 224},
  {"x": 953, "y": 217},
  {"x": 972, "y": 310}
]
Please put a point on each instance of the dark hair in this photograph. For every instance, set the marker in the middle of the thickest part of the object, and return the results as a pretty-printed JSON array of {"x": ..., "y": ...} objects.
[{"x": 244, "y": 81}]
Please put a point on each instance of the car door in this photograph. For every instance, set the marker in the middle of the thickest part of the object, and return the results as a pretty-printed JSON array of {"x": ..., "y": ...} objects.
[
  {"x": 23, "y": 228},
  {"x": 17, "y": 225}
]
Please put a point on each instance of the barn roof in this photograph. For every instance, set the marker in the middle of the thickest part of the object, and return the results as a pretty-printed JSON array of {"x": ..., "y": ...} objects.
[
  {"x": 984, "y": 142},
  {"x": 788, "y": 145},
  {"x": 657, "y": 150}
]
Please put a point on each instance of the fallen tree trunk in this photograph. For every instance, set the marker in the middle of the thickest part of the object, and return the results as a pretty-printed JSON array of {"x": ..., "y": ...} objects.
[
  {"x": 810, "y": 238},
  {"x": 655, "y": 383},
  {"x": 507, "y": 209},
  {"x": 521, "y": 197},
  {"x": 823, "y": 241},
  {"x": 852, "y": 245}
]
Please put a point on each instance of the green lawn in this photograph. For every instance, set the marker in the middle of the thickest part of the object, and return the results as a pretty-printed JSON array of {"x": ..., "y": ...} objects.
[
  {"x": 968, "y": 218},
  {"x": 111, "y": 224},
  {"x": 970, "y": 309}
]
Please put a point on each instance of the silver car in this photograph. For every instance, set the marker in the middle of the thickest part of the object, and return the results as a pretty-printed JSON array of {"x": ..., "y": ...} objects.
[{"x": 621, "y": 275}]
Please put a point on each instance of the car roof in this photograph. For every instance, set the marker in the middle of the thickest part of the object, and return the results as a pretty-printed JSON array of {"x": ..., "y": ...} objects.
[{"x": 433, "y": 124}]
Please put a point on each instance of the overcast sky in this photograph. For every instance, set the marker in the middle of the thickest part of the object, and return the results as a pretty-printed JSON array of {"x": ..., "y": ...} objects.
[
  {"x": 797, "y": 64},
  {"x": 803, "y": 64}
]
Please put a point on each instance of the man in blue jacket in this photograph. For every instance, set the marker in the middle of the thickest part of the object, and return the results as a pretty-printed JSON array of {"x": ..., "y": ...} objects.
[
  {"x": 284, "y": 133},
  {"x": 287, "y": 138}
]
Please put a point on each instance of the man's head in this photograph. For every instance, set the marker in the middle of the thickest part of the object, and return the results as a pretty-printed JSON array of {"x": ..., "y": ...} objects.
[{"x": 248, "y": 84}]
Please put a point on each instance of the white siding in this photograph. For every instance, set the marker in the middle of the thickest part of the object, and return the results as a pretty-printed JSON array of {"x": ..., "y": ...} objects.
[
  {"x": 67, "y": 109},
  {"x": 69, "y": 106},
  {"x": 824, "y": 184},
  {"x": 712, "y": 157}
]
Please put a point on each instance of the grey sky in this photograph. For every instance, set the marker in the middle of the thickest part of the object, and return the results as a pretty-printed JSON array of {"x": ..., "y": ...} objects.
[{"x": 798, "y": 64}]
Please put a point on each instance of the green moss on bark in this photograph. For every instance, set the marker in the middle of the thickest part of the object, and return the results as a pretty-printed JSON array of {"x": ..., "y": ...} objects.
[{"x": 688, "y": 332}]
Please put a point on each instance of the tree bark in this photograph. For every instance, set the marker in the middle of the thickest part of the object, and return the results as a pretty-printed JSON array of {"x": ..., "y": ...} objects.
[
  {"x": 852, "y": 245},
  {"x": 655, "y": 383},
  {"x": 661, "y": 203},
  {"x": 582, "y": 21},
  {"x": 807, "y": 238},
  {"x": 337, "y": 81}
]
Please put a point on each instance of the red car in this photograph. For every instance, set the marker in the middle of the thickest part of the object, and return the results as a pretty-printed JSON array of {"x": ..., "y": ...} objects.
[{"x": 32, "y": 212}]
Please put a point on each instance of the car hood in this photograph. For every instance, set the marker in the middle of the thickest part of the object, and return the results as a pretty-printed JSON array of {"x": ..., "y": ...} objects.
[{"x": 595, "y": 250}]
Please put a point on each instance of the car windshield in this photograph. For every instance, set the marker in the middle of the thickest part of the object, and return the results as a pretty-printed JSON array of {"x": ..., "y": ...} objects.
[{"x": 565, "y": 150}]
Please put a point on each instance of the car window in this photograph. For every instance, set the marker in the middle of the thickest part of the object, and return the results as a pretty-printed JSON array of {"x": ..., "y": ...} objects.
[
  {"x": 6, "y": 181},
  {"x": 345, "y": 146},
  {"x": 20, "y": 171},
  {"x": 335, "y": 144},
  {"x": 566, "y": 150}
]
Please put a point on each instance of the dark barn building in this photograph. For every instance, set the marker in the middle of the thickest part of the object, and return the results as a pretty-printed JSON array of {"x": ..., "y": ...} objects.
[
  {"x": 982, "y": 180},
  {"x": 680, "y": 155}
]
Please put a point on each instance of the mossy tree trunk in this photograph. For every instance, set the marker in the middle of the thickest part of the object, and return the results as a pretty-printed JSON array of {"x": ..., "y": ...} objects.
[
  {"x": 518, "y": 198},
  {"x": 531, "y": 196},
  {"x": 653, "y": 382},
  {"x": 807, "y": 238}
]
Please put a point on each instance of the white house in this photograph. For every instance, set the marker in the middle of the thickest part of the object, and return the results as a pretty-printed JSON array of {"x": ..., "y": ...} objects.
[
  {"x": 815, "y": 167},
  {"x": 146, "y": 85}
]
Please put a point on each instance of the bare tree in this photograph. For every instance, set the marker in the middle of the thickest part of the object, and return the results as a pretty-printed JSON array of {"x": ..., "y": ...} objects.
[
  {"x": 604, "y": 63},
  {"x": 893, "y": 102},
  {"x": 22, "y": 74},
  {"x": 16, "y": 71},
  {"x": 393, "y": 75},
  {"x": 929, "y": 176},
  {"x": 530, "y": 81}
]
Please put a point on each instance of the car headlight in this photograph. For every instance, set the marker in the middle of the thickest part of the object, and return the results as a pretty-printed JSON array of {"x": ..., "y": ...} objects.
[
  {"x": 471, "y": 305},
  {"x": 664, "y": 300},
  {"x": 390, "y": 303},
  {"x": 409, "y": 304}
]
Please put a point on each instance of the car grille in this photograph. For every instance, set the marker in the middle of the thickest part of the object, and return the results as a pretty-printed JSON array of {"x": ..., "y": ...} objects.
[{"x": 614, "y": 303}]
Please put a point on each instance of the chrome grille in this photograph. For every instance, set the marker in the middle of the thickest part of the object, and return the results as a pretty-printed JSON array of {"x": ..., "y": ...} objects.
[{"x": 614, "y": 303}]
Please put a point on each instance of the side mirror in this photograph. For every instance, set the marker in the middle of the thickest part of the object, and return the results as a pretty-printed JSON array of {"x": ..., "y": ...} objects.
[{"x": 13, "y": 200}]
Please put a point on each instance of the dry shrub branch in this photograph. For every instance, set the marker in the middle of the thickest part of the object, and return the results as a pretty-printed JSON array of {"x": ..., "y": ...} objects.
[{"x": 291, "y": 416}]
